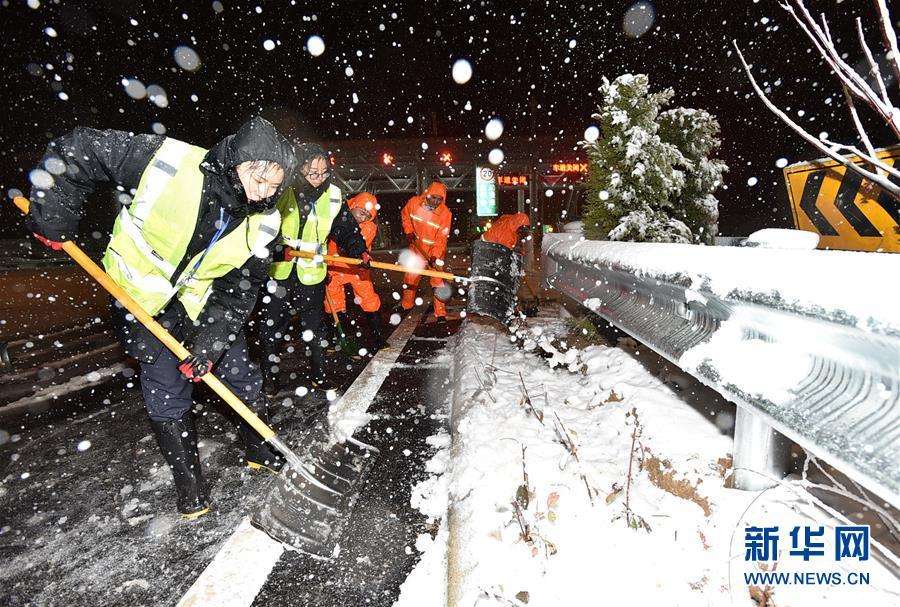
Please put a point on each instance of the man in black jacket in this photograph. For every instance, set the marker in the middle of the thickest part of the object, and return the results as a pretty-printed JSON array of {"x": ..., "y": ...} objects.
[
  {"x": 193, "y": 247},
  {"x": 313, "y": 212}
]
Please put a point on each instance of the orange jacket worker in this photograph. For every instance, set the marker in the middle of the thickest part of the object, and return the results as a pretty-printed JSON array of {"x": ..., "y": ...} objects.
[
  {"x": 426, "y": 223},
  {"x": 364, "y": 208},
  {"x": 508, "y": 230}
]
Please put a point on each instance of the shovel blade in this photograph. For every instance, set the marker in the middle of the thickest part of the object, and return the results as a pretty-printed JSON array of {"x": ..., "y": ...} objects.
[
  {"x": 495, "y": 279},
  {"x": 307, "y": 510}
]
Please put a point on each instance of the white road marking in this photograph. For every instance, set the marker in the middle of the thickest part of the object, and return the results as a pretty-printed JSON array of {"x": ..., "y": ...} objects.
[
  {"x": 238, "y": 571},
  {"x": 423, "y": 366},
  {"x": 348, "y": 413},
  {"x": 244, "y": 562}
]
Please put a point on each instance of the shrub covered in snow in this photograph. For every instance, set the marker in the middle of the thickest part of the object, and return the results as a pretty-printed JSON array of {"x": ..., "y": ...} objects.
[{"x": 651, "y": 177}]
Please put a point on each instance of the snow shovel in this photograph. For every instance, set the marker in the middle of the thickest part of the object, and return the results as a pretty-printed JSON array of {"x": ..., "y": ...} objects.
[
  {"x": 301, "y": 479},
  {"x": 347, "y": 345},
  {"x": 493, "y": 283}
]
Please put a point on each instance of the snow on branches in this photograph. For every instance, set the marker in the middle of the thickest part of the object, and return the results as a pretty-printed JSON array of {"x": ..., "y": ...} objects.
[
  {"x": 650, "y": 176},
  {"x": 856, "y": 88}
]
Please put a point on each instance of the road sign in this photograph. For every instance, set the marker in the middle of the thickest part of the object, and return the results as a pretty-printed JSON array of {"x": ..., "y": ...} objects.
[
  {"x": 485, "y": 192},
  {"x": 846, "y": 210}
]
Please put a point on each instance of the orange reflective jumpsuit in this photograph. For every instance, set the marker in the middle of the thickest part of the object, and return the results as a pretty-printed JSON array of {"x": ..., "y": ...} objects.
[
  {"x": 358, "y": 278},
  {"x": 431, "y": 229},
  {"x": 505, "y": 229}
]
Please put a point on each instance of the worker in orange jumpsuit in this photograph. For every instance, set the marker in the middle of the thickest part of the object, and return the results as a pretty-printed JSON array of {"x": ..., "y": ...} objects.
[
  {"x": 364, "y": 208},
  {"x": 509, "y": 230},
  {"x": 426, "y": 223}
]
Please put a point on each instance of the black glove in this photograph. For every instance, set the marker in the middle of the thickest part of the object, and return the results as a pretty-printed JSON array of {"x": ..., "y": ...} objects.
[
  {"x": 193, "y": 367},
  {"x": 366, "y": 260}
]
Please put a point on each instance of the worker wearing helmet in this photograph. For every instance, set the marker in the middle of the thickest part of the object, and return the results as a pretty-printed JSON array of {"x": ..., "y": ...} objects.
[
  {"x": 364, "y": 208},
  {"x": 426, "y": 223}
]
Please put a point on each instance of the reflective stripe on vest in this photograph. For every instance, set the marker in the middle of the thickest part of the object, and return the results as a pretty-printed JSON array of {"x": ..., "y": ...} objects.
[
  {"x": 151, "y": 236},
  {"x": 314, "y": 236},
  {"x": 434, "y": 225},
  {"x": 159, "y": 172}
]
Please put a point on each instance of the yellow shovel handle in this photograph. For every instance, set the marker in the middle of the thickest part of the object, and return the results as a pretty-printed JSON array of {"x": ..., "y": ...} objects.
[
  {"x": 157, "y": 329},
  {"x": 393, "y": 267}
]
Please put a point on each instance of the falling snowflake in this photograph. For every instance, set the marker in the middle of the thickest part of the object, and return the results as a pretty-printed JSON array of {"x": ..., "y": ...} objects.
[
  {"x": 315, "y": 45},
  {"x": 462, "y": 71}
]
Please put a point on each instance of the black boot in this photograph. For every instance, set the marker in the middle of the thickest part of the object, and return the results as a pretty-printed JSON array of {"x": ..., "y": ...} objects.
[
  {"x": 316, "y": 364},
  {"x": 270, "y": 385},
  {"x": 270, "y": 378},
  {"x": 257, "y": 453},
  {"x": 377, "y": 342},
  {"x": 178, "y": 442}
]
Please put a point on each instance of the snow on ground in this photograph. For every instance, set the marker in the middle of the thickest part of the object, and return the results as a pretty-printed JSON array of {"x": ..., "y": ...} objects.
[{"x": 541, "y": 510}]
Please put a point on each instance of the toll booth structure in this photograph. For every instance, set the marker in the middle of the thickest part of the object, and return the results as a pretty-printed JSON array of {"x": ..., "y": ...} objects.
[{"x": 540, "y": 176}]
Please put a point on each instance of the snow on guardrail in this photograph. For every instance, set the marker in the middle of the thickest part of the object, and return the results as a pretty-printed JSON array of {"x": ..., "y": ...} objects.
[{"x": 808, "y": 339}]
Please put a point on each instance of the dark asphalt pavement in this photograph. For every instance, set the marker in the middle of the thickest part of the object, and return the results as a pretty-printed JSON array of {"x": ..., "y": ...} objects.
[{"x": 87, "y": 507}]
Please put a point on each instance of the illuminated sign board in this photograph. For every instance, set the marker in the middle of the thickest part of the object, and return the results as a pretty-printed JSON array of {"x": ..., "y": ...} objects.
[
  {"x": 485, "y": 192},
  {"x": 570, "y": 167},
  {"x": 512, "y": 180}
]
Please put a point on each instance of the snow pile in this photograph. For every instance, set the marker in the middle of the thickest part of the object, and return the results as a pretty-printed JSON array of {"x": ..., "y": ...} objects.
[
  {"x": 844, "y": 286},
  {"x": 572, "y": 488},
  {"x": 780, "y": 238}
]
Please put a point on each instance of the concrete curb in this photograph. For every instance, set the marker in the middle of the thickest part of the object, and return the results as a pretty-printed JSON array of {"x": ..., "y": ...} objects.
[{"x": 455, "y": 573}]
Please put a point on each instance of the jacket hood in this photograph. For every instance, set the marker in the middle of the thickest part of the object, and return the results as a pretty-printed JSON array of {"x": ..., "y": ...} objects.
[
  {"x": 364, "y": 200},
  {"x": 436, "y": 188},
  {"x": 520, "y": 220},
  {"x": 257, "y": 139}
]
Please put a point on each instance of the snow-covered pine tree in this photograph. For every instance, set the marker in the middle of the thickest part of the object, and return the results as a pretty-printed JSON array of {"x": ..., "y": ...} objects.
[
  {"x": 696, "y": 135},
  {"x": 650, "y": 178}
]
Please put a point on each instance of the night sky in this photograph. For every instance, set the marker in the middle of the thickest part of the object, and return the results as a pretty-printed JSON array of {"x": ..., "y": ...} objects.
[{"x": 527, "y": 70}]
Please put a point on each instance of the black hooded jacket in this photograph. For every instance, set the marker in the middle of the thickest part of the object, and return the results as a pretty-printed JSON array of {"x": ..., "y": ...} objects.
[
  {"x": 344, "y": 229},
  {"x": 95, "y": 157}
]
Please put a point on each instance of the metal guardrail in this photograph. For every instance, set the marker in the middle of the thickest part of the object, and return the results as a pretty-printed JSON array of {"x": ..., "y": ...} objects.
[{"x": 845, "y": 408}]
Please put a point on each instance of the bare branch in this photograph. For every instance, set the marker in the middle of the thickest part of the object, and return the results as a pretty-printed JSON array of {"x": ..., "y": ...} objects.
[
  {"x": 878, "y": 180},
  {"x": 873, "y": 160},
  {"x": 889, "y": 36},
  {"x": 856, "y": 121},
  {"x": 823, "y": 51},
  {"x": 821, "y": 38},
  {"x": 873, "y": 65},
  {"x": 826, "y": 48}
]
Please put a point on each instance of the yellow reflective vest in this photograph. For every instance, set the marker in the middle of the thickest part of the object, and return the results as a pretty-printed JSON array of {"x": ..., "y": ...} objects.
[
  {"x": 314, "y": 236},
  {"x": 151, "y": 235}
]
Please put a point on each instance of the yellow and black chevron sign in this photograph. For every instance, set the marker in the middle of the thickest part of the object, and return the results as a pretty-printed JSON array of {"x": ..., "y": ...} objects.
[{"x": 847, "y": 211}]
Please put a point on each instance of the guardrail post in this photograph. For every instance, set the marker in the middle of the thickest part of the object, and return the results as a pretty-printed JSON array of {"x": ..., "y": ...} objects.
[{"x": 761, "y": 455}]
